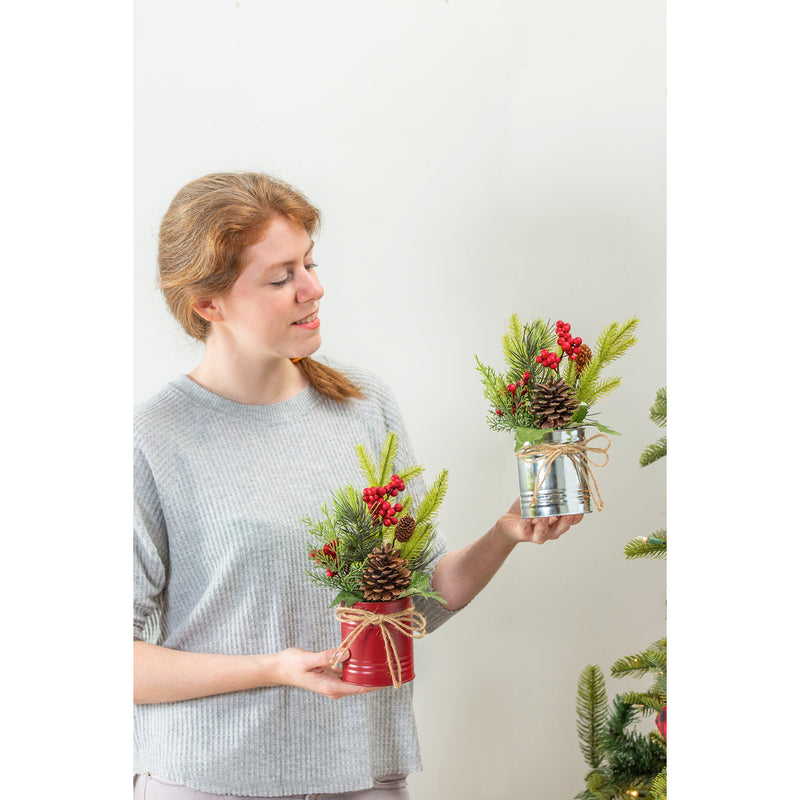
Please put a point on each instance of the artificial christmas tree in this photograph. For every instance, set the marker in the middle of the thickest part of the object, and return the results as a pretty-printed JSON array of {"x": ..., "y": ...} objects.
[{"x": 624, "y": 763}]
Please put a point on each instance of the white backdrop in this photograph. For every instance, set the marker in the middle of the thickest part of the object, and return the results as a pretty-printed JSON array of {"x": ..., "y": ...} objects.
[{"x": 471, "y": 160}]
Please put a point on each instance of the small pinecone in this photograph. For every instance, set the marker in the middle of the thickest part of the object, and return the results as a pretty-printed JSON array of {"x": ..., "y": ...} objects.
[
  {"x": 553, "y": 403},
  {"x": 404, "y": 529},
  {"x": 582, "y": 359},
  {"x": 385, "y": 575}
]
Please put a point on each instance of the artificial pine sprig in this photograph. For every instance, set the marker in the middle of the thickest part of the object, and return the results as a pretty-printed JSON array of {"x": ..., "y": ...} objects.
[
  {"x": 614, "y": 341},
  {"x": 357, "y": 525}
]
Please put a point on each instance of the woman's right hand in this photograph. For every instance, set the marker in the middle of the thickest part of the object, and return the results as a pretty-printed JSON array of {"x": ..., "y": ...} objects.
[
  {"x": 164, "y": 675},
  {"x": 313, "y": 671}
]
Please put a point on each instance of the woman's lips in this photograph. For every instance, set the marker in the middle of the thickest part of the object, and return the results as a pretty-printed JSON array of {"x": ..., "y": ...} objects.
[{"x": 310, "y": 322}]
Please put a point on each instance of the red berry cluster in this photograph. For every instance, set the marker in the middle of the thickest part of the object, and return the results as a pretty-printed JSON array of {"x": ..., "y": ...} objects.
[
  {"x": 548, "y": 359},
  {"x": 327, "y": 553},
  {"x": 377, "y": 498},
  {"x": 570, "y": 346},
  {"x": 512, "y": 388}
]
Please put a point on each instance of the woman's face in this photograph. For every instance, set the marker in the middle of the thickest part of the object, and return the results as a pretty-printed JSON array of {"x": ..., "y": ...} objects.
[{"x": 271, "y": 309}]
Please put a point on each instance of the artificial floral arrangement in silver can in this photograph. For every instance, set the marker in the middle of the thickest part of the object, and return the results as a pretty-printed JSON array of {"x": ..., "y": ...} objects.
[{"x": 546, "y": 398}]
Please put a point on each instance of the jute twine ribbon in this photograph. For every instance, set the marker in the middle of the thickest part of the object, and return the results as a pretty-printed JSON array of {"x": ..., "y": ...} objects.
[
  {"x": 544, "y": 454},
  {"x": 407, "y": 622}
]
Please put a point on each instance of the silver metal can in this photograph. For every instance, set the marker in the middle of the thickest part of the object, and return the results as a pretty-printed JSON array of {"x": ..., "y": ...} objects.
[{"x": 562, "y": 487}]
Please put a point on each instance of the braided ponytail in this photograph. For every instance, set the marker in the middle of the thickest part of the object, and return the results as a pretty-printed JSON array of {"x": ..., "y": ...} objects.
[{"x": 328, "y": 381}]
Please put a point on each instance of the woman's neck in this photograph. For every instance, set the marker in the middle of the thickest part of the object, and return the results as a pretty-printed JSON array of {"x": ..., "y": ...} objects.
[{"x": 248, "y": 381}]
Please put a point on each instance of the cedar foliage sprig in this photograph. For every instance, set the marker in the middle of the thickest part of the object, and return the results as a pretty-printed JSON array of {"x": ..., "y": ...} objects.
[{"x": 348, "y": 529}]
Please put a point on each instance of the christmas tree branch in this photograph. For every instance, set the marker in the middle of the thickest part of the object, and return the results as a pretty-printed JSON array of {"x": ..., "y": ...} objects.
[
  {"x": 658, "y": 411},
  {"x": 654, "y": 659},
  {"x": 653, "y": 452},
  {"x": 654, "y": 546},
  {"x": 592, "y": 707}
]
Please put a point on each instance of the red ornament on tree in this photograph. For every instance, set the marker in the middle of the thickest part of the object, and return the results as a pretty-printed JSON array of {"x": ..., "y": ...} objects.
[{"x": 661, "y": 722}]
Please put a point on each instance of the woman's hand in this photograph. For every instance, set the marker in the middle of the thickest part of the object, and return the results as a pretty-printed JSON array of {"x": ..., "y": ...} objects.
[
  {"x": 313, "y": 671},
  {"x": 164, "y": 675},
  {"x": 515, "y": 529}
]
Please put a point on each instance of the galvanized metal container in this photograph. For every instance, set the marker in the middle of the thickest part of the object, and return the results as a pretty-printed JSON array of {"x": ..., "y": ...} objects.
[{"x": 562, "y": 487}]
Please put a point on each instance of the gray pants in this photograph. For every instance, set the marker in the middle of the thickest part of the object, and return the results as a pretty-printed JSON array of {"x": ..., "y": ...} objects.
[{"x": 146, "y": 787}]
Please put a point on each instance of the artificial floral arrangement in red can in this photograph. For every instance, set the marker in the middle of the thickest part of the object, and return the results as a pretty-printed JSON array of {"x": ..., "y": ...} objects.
[
  {"x": 546, "y": 398},
  {"x": 373, "y": 546}
]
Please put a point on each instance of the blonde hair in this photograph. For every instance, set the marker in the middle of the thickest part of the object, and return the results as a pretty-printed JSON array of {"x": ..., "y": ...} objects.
[{"x": 207, "y": 227}]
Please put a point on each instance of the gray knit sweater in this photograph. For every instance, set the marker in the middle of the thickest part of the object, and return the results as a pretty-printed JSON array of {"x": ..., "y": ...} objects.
[{"x": 220, "y": 566}]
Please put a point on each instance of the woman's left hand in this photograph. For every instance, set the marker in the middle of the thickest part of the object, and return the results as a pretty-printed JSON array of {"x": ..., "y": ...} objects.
[{"x": 515, "y": 529}]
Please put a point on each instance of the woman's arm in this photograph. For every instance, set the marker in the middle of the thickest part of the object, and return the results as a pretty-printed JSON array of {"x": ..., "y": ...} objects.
[
  {"x": 163, "y": 675},
  {"x": 460, "y": 575}
]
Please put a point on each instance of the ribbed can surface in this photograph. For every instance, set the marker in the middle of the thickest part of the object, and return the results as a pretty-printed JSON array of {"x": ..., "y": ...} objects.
[
  {"x": 368, "y": 664},
  {"x": 563, "y": 490}
]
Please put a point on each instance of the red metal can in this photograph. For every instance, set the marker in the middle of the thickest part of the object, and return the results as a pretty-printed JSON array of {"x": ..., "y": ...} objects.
[{"x": 368, "y": 664}]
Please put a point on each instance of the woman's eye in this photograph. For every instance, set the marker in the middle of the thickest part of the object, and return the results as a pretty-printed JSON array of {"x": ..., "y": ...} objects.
[{"x": 290, "y": 275}]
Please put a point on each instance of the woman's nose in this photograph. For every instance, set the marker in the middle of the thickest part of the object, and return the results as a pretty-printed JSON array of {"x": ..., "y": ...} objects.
[{"x": 310, "y": 290}]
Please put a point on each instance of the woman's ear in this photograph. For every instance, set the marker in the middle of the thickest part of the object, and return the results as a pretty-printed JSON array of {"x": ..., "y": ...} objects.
[{"x": 208, "y": 310}]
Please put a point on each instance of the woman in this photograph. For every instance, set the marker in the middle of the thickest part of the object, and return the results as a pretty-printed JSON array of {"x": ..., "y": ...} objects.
[{"x": 232, "y": 679}]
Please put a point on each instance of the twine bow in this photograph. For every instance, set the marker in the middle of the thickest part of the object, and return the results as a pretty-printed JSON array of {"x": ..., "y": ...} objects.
[
  {"x": 408, "y": 622},
  {"x": 545, "y": 453}
]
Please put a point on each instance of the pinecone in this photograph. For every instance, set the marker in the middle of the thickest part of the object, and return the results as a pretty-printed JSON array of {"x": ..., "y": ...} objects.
[
  {"x": 404, "y": 529},
  {"x": 582, "y": 359},
  {"x": 386, "y": 574},
  {"x": 553, "y": 403}
]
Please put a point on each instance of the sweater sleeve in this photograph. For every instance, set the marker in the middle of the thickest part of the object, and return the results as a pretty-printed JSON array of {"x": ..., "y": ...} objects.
[
  {"x": 150, "y": 551},
  {"x": 435, "y": 613}
]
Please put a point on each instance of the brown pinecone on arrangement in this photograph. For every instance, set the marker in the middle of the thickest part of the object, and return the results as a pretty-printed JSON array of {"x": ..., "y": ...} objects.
[
  {"x": 582, "y": 358},
  {"x": 553, "y": 403},
  {"x": 386, "y": 574},
  {"x": 404, "y": 529}
]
